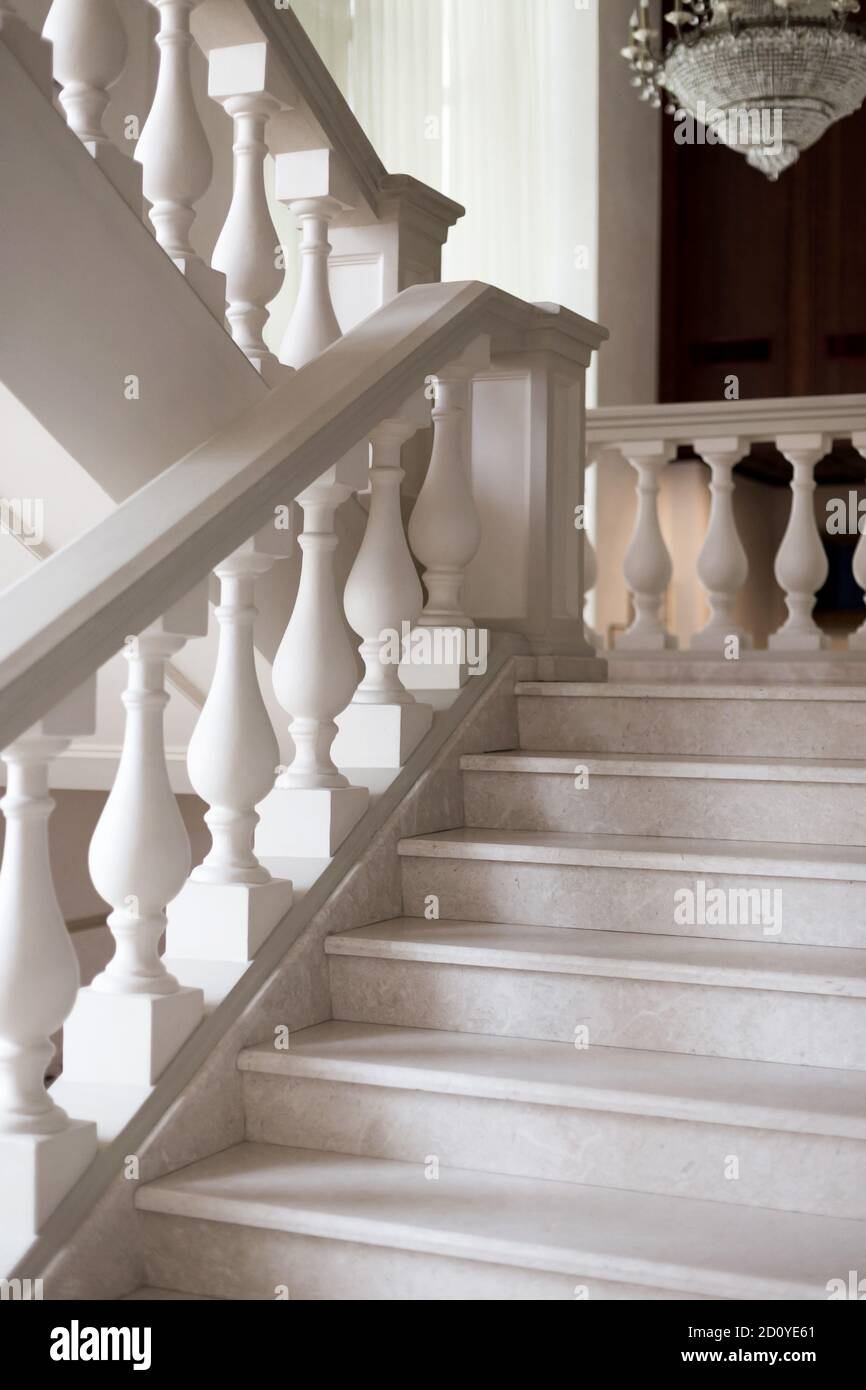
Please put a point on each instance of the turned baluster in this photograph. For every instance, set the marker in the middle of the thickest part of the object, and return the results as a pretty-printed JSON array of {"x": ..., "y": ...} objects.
[
  {"x": 89, "y": 42},
  {"x": 444, "y": 529},
  {"x": 233, "y": 753},
  {"x": 313, "y": 325},
  {"x": 39, "y": 975},
  {"x": 173, "y": 150},
  {"x": 383, "y": 590},
  {"x": 131, "y": 1020},
  {"x": 723, "y": 566},
  {"x": 590, "y": 579},
  {"x": 247, "y": 245},
  {"x": 140, "y": 853},
  {"x": 383, "y": 600},
  {"x": 647, "y": 566},
  {"x": 857, "y": 640},
  {"x": 801, "y": 563},
  {"x": 314, "y": 670}
]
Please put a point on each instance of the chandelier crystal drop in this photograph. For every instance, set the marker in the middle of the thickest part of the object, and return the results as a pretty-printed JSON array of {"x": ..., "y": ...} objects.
[{"x": 765, "y": 77}]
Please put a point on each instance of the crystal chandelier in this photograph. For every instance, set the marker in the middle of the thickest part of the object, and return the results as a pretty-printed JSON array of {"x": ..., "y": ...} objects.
[{"x": 765, "y": 77}]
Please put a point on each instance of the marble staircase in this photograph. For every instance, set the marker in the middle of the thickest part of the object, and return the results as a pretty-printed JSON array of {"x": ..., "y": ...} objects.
[{"x": 539, "y": 1083}]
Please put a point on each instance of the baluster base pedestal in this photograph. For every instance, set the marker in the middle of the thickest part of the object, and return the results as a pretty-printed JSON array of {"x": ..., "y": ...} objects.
[
  {"x": 37, "y": 1171},
  {"x": 783, "y": 641},
  {"x": 225, "y": 921},
  {"x": 645, "y": 642},
  {"x": 127, "y": 1039},
  {"x": 380, "y": 735},
  {"x": 308, "y": 822},
  {"x": 715, "y": 640},
  {"x": 443, "y": 658}
]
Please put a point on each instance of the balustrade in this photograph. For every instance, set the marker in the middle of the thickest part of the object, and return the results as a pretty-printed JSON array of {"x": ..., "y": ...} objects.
[{"x": 798, "y": 560}]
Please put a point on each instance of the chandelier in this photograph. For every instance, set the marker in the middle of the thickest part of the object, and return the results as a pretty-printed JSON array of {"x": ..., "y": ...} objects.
[{"x": 765, "y": 77}]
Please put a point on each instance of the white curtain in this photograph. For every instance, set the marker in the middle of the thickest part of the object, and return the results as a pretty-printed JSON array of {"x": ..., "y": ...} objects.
[{"x": 493, "y": 102}]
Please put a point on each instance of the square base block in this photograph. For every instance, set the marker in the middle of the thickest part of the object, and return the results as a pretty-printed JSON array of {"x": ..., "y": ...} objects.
[
  {"x": 715, "y": 641},
  {"x": 443, "y": 658},
  {"x": 37, "y": 1171},
  {"x": 308, "y": 822},
  {"x": 799, "y": 641},
  {"x": 380, "y": 735},
  {"x": 127, "y": 1039},
  {"x": 224, "y": 921},
  {"x": 645, "y": 642}
]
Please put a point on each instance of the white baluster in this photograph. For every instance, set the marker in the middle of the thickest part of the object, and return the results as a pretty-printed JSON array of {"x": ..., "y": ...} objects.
[
  {"x": 383, "y": 600},
  {"x": 444, "y": 529},
  {"x": 247, "y": 247},
  {"x": 801, "y": 563},
  {"x": 135, "y": 1015},
  {"x": 590, "y": 579},
  {"x": 313, "y": 807},
  {"x": 140, "y": 854},
  {"x": 313, "y": 325},
  {"x": 314, "y": 669},
  {"x": 723, "y": 566},
  {"x": 42, "y": 1151},
  {"x": 857, "y": 640},
  {"x": 89, "y": 42},
  {"x": 647, "y": 566},
  {"x": 230, "y": 903},
  {"x": 173, "y": 150},
  {"x": 233, "y": 752}
]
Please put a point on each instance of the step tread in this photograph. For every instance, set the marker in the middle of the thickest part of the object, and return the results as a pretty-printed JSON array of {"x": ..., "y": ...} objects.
[
  {"x": 767, "y": 964},
  {"x": 148, "y": 1294},
  {"x": 663, "y": 765},
  {"x": 797, "y": 1099},
  {"x": 675, "y": 1243},
  {"x": 628, "y": 690},
  {"x": 766, "y": 859}
]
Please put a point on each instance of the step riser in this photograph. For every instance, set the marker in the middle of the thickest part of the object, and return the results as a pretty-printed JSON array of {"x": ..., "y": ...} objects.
[
  {"x": 641, "y": 1153},
  {"x": 244, "y": 1262},
  {"x": 699, "y": 808},
  {"x": 756, "y": 1025},
  {"x": 814, "y": 912},
  {"x": 726, "y": 728}
]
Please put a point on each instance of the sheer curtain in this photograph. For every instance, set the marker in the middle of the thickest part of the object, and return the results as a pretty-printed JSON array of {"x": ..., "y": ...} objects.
[{"x": 493, "y": 102}]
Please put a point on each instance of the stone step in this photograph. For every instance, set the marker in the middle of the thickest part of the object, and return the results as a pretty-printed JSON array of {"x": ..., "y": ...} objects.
[
  {"x": 643, "y": 1121},
  {"x": 823, "y": 722},
  {"x": 146, "y": 1294},
  {"x": 259, "y": 1219},
  {"x": 798, "y": 801},
  {"x": 667, "y": 885},
  {"x": 752, "y": 668},
  {"x": 757, "y": 1001}
]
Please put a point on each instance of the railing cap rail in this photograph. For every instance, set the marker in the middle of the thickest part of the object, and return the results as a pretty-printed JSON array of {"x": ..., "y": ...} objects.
[
  {"x": 61, "y": 622},
  {"x": 752, "y": 421}
]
